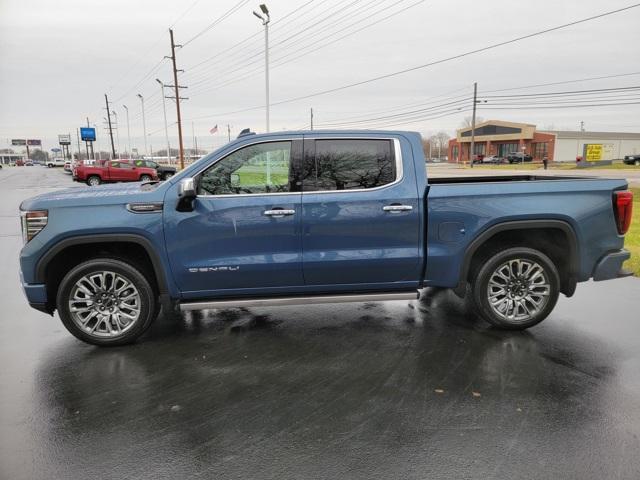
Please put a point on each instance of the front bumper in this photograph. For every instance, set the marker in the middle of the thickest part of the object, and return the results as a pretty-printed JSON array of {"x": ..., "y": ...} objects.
[
  {"x": 610, "y": 266},
  {"x": 36, "y": 294}
]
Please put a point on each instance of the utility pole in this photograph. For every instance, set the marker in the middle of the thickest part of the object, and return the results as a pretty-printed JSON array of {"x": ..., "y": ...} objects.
[
  {"x": 311, "y": 118},
  {"x": 193, "y": 133},
  {"x": 177, "y": 98},
  {"x": 265, "y": 21},
  {"x": 90, "y": 144},
  {"x": 78, "y": 138},
  {"x": 166, "y": 128},
  {"x": 229, "y": 131},
  {"x": 128, "y": 131},
  {"x": 473, "y": 123},
  {"x": 117, "y": 127},
  {"x": 113, "y": 148},
  {"x": 144, "y": 125},
  {"x": 582, "y": 126}
]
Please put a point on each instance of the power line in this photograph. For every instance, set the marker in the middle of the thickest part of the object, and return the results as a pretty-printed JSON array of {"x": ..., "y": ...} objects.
[
  {"x": 278, "y": 61},
  {"x": 218, "y": 20},
  {"x": 435, "y": 62},
  {"x": 564, "y": 82}
]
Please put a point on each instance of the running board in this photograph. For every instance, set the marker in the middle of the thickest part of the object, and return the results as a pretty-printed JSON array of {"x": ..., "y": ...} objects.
[{"x": 298, "y": 300}]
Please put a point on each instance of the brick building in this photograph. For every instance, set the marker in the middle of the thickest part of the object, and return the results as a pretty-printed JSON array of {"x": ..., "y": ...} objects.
[{"x": 495, "y": 137}]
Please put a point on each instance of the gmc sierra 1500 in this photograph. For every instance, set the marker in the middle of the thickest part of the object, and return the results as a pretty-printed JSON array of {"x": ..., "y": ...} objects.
[{"x": 316, "y": 217}]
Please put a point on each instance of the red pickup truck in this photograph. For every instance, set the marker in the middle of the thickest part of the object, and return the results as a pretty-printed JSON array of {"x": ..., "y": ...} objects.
[{"x": 113, "y": 171}]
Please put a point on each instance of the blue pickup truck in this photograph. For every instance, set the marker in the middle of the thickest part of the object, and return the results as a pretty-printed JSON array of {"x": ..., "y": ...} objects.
[{"x": 316, "y": 217}]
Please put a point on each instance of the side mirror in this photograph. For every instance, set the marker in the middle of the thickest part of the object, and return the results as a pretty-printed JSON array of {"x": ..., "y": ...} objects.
[{"x": 186, "y": 194}]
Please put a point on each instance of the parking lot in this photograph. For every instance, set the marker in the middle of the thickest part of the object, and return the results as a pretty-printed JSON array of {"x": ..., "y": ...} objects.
[{"x": 405, "y": 390}]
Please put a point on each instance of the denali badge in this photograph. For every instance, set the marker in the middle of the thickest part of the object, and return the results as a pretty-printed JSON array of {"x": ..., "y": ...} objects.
[{"x": 214, "y": 269}]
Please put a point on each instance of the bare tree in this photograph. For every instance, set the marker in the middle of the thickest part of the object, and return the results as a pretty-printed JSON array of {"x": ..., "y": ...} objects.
[{"x": 466, "y": 123}]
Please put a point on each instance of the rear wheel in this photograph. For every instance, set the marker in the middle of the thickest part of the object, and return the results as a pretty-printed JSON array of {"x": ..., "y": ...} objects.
[
  {"x": 168, "y": 175},
  {"x": 145, "y": 178},
  {"x": 94, "y": 180},
  {"x": 637, "y": 163},
  {"x": 516, "y": 288},
  {"x": 106, "y": 302}
]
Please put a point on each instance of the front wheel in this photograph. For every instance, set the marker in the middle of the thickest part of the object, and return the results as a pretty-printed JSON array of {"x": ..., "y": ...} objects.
[
  {"x": 168, "y": 175},
  {"x": 94, "y": 181},
  {"x": 145, "y": 178},
  {"x": 105, "y": 302},
  {"x": 516, "y": 288}
]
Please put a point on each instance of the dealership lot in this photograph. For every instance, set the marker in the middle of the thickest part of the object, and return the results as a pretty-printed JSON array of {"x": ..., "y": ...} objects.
[{"x": 368, "y": 390}]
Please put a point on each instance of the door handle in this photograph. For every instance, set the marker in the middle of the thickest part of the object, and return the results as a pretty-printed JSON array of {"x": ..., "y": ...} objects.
[
  {"x": 397, "y": 208},
  {"x": 279, "y": 212}
]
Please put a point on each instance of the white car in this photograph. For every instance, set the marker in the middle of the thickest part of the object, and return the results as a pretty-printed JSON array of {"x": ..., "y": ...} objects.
[
  {"x": 493, "y": 159},
  {"x": 55, "y": 162}
]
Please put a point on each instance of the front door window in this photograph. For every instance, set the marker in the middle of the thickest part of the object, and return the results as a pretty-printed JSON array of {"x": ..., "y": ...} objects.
[{"x": 255, "y": 169}]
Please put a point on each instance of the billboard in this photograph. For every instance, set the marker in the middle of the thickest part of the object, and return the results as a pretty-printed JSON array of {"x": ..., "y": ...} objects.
[
  {"x": 64, "y": 139},
  {"x": 596, "y": 152},
  {"x": 34, "y": 143},
  {"x": 18, "y": 142},
  {"x": 88, "y": 134}
]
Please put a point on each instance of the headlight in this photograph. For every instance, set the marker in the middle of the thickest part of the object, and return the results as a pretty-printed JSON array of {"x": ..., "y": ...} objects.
[{"x": 32, "y": 223}]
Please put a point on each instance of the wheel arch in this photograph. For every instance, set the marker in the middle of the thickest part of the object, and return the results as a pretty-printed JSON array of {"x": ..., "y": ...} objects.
[
  {"x": 71, "y": 245},
  {"x": 519, "y": 227}
]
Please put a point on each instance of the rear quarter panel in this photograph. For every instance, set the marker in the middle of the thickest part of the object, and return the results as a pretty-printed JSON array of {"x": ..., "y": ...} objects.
[{"x": 584, "y": 204}]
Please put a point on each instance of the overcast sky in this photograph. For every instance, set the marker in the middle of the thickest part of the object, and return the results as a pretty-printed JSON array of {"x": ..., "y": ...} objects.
[{"x": 60, "y": 58}]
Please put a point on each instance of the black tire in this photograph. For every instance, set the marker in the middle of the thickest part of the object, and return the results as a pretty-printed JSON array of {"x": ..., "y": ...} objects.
[
  {"x": 145, "y": 178},
  {"x": 93, "y": 180},
  {"x": 148, "y": 302},
  {"x": 168, "y": 175},
  {"x": 498, "y": 260}
]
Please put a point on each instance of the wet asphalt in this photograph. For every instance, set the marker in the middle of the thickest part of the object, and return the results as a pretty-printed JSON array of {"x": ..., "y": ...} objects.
[{"x": 367, "y": 390}]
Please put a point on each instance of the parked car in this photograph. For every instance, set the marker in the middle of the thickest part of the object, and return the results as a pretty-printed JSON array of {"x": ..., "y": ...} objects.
[
  {"x": 55, "y": 162},
  {"x": 519, "y": 157},
  {"x": 493, "y": 159},
  {"x": 113, "y": 171},
  {"x": 478, "y": 158},
  {"x": 355, "y": 219},
  {"x": 632, "y": 159},
  {"x": 20, "y": 163},
  {"x": 28, "y": 163},
  {"x": 67, "y": 166},
  {"x": 164, "y": 172}
]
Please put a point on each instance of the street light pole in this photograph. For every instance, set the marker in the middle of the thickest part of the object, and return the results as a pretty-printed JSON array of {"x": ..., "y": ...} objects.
[
  {"x": 265, "y": 21},
  {"x": 115, "y": 114},
  {"x": 128, "y": 131},
  {"x": 473, "y": 122},
  {"x": 144, "y": 124},
  {"x": 166, "y": 128}
]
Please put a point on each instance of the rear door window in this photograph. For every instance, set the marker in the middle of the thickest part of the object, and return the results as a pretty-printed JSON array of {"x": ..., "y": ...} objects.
[{"x": 349, "y": 164}]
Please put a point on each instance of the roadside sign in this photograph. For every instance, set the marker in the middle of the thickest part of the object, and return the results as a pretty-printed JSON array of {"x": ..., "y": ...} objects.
[
  {"x": 64, "y": 139},
  {"x": 34, "y": 142},
  {"x": 593, "y": 152},
  {"x": 18, "y": 141},
  {"x": 56, "y": 150},
  {"x": 88, "y": 134}
]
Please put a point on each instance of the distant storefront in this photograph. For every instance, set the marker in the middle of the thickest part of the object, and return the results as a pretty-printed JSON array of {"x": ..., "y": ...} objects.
[{"x": 495, "y": 137}]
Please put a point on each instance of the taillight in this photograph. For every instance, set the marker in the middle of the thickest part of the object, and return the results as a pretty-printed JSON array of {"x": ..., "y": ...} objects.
[
  {"x": 32, "y": 223},
  {"x": 622, "y": 208}
]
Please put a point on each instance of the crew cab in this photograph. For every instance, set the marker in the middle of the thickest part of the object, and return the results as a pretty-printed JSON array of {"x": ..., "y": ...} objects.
[
  {"x": 113, "y": 171},
  {"x": 316, "y": 217}
]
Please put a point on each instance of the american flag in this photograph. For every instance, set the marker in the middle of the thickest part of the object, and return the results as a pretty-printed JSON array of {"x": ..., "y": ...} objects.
[{"x": 213, "y": 130}]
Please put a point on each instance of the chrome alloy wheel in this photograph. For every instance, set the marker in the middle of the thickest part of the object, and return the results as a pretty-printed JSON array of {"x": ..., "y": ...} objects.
[
  {"x": 518, "y": 290},
  {"x": 104, "y": 304}
]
